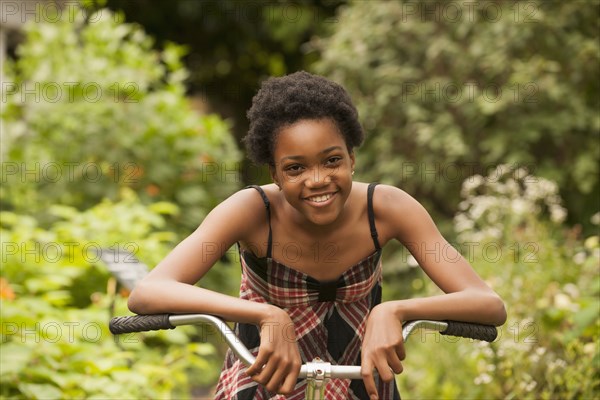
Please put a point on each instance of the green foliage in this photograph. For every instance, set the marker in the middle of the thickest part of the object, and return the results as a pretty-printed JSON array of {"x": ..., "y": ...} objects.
[
  {"x": 548, "y": 278},
  {"x": 447, "y": 90},
  {"x": 55, "y": 309},
  {"x": 90, "y": 108},
  {"x": 233, "y": 45},
  {"x": 100, "y": 150}
]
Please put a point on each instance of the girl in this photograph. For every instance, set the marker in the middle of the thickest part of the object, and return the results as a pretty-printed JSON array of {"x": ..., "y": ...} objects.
[{"x": 310, "y": 249}]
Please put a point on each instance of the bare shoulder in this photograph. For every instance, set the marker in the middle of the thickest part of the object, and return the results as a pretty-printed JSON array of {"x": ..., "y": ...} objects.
[
  {"x": 243, "y": 202},
  {"x": 244, "y": 209},
  {"x": 397, "y": 213},
  {"x": 385, "y": 195}
]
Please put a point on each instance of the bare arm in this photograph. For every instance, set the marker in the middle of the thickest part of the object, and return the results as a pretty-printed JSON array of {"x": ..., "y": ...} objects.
[
  {"x": 467, "y": 297},
  {"x": 169, "y": 287}
]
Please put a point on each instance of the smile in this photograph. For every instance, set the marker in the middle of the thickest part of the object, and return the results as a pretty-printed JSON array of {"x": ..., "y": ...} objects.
[{"x": 320, "y": 199}]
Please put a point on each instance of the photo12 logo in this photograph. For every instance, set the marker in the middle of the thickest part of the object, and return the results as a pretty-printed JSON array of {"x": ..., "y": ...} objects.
[
  {"x": 455, "y": 12},
  {"x": 52, "y": 252},
  {"x": 469, "y": 92},
  {"x": 52, "y": 332},
  {"x": 55, "y": 172},
  {"x": 22, "y": 11},
  {"x": 70, "y": 92}
]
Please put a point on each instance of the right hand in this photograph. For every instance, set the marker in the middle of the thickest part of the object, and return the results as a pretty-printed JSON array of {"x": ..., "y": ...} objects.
[{"x": 278, "y": 361}]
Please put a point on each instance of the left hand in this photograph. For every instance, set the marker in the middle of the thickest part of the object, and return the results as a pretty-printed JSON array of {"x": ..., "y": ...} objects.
[{"x": 382, "y": 347}]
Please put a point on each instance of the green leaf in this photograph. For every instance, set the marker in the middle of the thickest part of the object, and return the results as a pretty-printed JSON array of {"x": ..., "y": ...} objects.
[
  {"x": 41, "y": 391},
  {"x": 163, "y": 207},
  {"x": 14, "y": 357}
]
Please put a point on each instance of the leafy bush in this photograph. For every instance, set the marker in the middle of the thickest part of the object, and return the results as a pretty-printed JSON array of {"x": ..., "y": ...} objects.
[
  {"x": 56, "y": 296},
  {"x": 447, "y": 90},
  {"x": 91, "y": 108},
  {"x": 100, "y": 149},
  {"x": 510, "y": 229}
]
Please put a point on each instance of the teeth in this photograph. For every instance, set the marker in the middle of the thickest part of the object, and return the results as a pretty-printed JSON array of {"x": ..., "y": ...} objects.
[{"x": 320, "y": 199}]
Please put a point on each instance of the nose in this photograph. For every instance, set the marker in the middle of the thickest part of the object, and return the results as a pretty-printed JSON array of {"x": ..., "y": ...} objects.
[{"x": 317, "y": 178}]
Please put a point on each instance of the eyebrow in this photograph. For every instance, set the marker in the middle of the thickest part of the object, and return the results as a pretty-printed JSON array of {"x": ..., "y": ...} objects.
[{"x": 327, "y": 150}]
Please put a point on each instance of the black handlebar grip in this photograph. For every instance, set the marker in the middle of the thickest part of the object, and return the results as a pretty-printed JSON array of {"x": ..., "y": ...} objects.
[
  {"x": 472, "y": 331},
  {"x": 139, "y": 323}
]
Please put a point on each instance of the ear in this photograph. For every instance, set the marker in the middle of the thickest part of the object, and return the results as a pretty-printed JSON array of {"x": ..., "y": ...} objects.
[
  {"x": 352, "y": 160},
  {"x": 273, "y": 174}
]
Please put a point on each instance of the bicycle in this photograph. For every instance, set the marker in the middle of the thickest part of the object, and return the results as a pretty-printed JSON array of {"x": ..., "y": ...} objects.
[{"x": 316, "y": 372}]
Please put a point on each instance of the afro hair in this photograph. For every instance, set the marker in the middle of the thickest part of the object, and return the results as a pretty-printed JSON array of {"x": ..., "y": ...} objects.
[{"x": 286, "y": 100}]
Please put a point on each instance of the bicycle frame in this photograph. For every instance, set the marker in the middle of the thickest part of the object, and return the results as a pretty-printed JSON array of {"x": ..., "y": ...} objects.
[{"x": 316, "y": 372}]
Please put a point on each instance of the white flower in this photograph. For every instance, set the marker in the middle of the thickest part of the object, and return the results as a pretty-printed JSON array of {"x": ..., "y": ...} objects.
[
  {"x": 558, "y": 363},
  {"x": 471, "y": 183},
  {"x": 547, "y": 187},
  {"x": 563, "y": 302},
  {"x": 572, "y": 290},
  {"x": 557, "y": 214},
  {"x": 592, "y": 242},
  {"x": 483, "y": 379},
  {"x": 462, "y": 223},
  {"x": 530, "y": 386},
  {"x": 512, "y": 188},
  {"x": 500, "y": 171},
  {"x": 540, "y": 351},
  {"x": 463, "y": 205},
  {"x": 589, "y": 348},
  {"x": 520, "y": 207},
  {"x": 521, "y": 173},
  {"x": 579, "y": 258},
  {"x": 494, "y": 232}
]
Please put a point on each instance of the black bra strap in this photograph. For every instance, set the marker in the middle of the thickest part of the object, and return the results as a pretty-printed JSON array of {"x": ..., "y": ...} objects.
[
  {"x": 268, "y": 207},
  {"x": 374, "y": 235}
]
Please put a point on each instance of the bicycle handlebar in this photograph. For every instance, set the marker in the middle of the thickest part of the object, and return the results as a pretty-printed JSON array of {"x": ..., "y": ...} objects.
[{"x": 142, "y": 323}]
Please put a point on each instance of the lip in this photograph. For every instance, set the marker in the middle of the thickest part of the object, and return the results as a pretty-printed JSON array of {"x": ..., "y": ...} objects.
[{"x": 322, "y": 203}]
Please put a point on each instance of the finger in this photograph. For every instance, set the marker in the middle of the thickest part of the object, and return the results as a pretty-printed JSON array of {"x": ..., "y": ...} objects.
[
  {"x": 291, "y": 378},
  {"x": 366, "y": 372},
  {"x": 396, "y": 366},
  {"x": 259, "y": 363},
  {"x": 394, "y": 363},
  {"x": 384, "y": 370},
  {"x": 276, "y": 378},
  {"x": 254, "y": 368},
  {"x": 400, "y": 351},
  {"x": 264, "y": 376}
]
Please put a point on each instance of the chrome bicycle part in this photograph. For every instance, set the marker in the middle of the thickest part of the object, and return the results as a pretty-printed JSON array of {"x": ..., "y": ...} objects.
[
  {"x": 316, "y": 372},
  {"x": 317, "y": 375}
]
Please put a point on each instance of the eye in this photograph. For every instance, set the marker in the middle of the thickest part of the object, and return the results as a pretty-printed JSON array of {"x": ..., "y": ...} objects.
[
  {"x": 294, "y": 169},
  {"x": 333, "y": 161}
]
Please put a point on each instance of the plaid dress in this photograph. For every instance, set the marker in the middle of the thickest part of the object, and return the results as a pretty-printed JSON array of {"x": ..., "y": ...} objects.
[{"x": 329, "y": 319}]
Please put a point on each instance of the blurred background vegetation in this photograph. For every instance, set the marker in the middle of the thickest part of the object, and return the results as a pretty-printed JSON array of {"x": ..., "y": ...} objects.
[{"x": 121, "y": 123}]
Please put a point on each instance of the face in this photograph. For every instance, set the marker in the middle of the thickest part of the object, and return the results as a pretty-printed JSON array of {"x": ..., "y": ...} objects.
[{"x": 313, "y": 168}]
